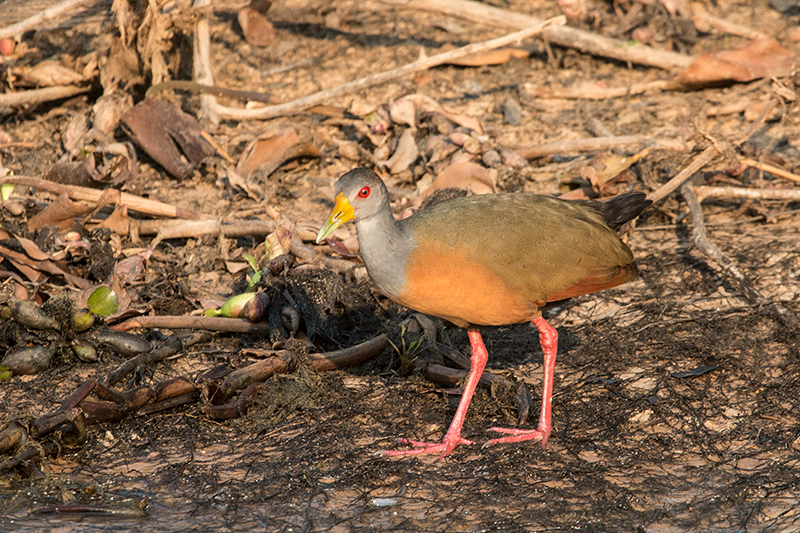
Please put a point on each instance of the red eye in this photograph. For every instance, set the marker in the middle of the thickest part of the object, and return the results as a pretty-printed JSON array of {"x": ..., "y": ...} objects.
[{"x": 364, "y": 192}]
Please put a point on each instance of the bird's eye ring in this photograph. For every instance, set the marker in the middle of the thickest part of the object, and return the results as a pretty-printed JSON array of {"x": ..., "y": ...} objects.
[{"x": 364, "y": 192}]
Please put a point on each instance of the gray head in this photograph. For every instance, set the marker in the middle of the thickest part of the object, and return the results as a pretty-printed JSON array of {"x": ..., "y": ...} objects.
[
  {"x": 365, "y": 191},
  {"x": 361, "y": 195}
]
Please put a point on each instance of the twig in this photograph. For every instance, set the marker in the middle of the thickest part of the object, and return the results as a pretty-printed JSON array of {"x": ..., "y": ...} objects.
[
  {"x": 699, "y": 15},
  {"x": 729, "y": 269},
  {"x": 168, "y": 349},
  {"x": 205, "y": 323},
  {"x": 181, "y": 229},
  {"x": 705, "y": 191},
  {"x": 771, "y": 169},
  {"x": 591, "y": 144},
  {"x": 352, "y": 356},
  {"x": 201, "y": 64},
  {"x": 15, "y": 30},
  {"x": 37, "y": 96},
  {"x": 705, "y": 157},
  {"x": 85, "y": 194},
  {"x": 565, "y": 36},
  {"x": 301, "y": 104},
  {"x": 596, "y": 93}
]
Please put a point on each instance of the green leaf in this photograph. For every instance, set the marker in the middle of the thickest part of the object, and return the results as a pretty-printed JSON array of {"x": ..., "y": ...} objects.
[
  {"x": 251, "y": 261},
  {"x": 103, "y": 301},
  {"x": 5, "y": 190},
  {"x": 5, "y": 373}
]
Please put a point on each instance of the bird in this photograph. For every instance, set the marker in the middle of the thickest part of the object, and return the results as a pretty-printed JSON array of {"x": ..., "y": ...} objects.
[{"x": 487, "y": 260}]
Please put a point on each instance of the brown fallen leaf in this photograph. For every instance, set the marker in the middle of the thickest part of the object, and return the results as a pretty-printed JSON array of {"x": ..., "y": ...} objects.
[
  {"x": 467, "y": 175},
  {"x": 33, "y": 269},
  {"x": 429, "y": 105},
  {"x": 758, "y": 59},
  {"x": 257, "y": 30},
  {"x": 60, "y": 214},
  {"x": 118, "y": 221},
  {"x": 404, "y": 155},
  {"x": 267, "y": 149},
  {"x": 51, "y": 73},
  {"x": 32, "y": 249},
  {"x": 170, "y": 136},
  {"x": 604, "y": 168}
]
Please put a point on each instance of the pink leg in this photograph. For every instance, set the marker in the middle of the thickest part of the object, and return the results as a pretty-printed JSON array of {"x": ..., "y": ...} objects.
[
  {"x": 453, "y": 436},
  {"x": 548, "y": 338}
]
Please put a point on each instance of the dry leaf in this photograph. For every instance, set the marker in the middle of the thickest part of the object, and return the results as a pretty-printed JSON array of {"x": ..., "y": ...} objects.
[
  {"x": 429, "y": 105},
  {"x": 758, "y": 59},
  {"x": 404, "y": 155},
  {"x": 267, "y": 150},
  {"x": 604, "y": 168},
  {"x": 60, "y": 213},
  {"x": 118, "y": 221},
  {"x": 257, "y": 30},
  {"x": 33, "y": 269},
  {"x": 170, "y": 136},
  {"x": 234, "y": 267},
  {"x": 468, "y": 176},
  {"x": 50, "y": 73},
  {"x": 403, "y": 111},
  {"x": 32, "y": 249}
]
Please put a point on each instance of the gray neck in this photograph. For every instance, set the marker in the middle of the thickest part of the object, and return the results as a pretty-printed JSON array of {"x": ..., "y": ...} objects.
[{"x": 385, "y": 246}]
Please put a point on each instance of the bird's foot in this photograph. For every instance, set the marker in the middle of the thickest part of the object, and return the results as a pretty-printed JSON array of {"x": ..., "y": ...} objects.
[
  {"x": 444, "y": 448},
  {"x": 519, "y": 435}
]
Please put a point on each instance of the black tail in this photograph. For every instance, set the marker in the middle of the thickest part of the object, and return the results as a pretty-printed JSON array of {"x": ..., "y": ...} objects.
[{"x": 620, "y": 209}]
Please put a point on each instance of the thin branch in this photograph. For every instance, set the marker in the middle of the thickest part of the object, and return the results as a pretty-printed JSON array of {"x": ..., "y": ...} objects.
[
  {"x": 704, "y": 191},
  {"x": 706, "y": 156},
  {"x": 86, "y": 194},
  {"x": 38, "y": 96},
  {"x": 730, "y": 270},
  {"x": 771, "y": 169},
  {"x": 593, "y": 144},
  {"x": 301, "y": 104},
  {"x": 36, "y": 21},
  {"x": 565, "y": 36}
]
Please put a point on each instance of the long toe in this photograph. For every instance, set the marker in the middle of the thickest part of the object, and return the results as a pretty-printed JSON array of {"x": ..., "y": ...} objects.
[
  {"x": 443, "y": 448},
  {"x": 518, "y": 435}
]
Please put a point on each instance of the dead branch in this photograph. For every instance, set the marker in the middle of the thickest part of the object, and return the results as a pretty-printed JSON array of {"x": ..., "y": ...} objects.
[
  {"x": 596, "y": 93},
  {"x": 352, "y": 356},
  {"x": 255, "y": 373},
  {"x": 592, "y": 144},
  {"x": 705, "y": 157},
  {"x": 565, "y": 36},
  {"x": 205, "y": 323},
  {"x": 729, "y": 270},
  {"x": 771, "y": 169},
  {"x": 38, "y": 96},
  {"x": 170, "y": 347},
  {"x": 85, "y": 194},
  {"x": 182, "y": 229},
  {"x": 202, "y": 56},
  {"x": 704, "y": 191},
  {"x": 36, "y": 21}
]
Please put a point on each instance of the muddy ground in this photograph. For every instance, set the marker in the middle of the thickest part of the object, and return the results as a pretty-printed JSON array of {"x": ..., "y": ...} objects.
[{"x": 676, "y": 398}]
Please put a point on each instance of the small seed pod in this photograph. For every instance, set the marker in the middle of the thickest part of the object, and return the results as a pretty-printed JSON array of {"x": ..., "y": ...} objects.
[
  {"x": 30, "y": 315},
  {"x": 256, "y": 308},
  {"x": 85, "y": 352},
  {"x": 82, "y": 320},
  {"x": 28, "y": 359},
  {"x": 124, "y": 343}
]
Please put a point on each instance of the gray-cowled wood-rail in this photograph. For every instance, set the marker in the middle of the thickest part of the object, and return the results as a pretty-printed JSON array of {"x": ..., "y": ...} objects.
[{"x": 487, "y": 260}]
